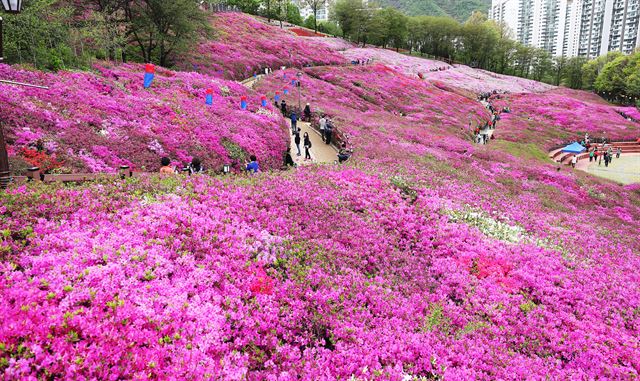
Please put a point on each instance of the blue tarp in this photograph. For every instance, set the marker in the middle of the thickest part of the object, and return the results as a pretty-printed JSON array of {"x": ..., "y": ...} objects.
[{"x": 574, "y": 148}]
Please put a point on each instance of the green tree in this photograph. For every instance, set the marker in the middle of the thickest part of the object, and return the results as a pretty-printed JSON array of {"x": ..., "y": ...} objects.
[
  {"x": 620, "y": 79},
  {"x": 559, "y": 69},
  {"x": 247, "y": 6},
  {"x": 314, "y": 5},
  {"x": 478, "y": 40},
  {"x": 542, "y": 64},
  {"x": 293, "y": 14},
  {"x": 592, "y": 69},
  {"x": 162, "y": 28},
  {"x": 353, "y": 18},
  {"x": 573, "y": 72}
]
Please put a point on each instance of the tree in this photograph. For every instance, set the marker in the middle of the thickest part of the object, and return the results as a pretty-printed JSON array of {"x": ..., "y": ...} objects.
[
  {"x": 541, "y": 64},
  {"x": 309, "y": 22},
  {"x": 592, "y": 69},
  {"x": 314, "y": 5},
  {"x": 620, "y": 79},
  {"x": 161, "y": 28},
  {"x": 573, "y": 72},
  {"x": 293, "y": 14},
  {"x": 559, "y": 69},
  {"x": 479, "y": 38},
  {"x": 247, "y": 6},
  {"x": 352, "y": 17},
  {"x": 394, "y": 27}
]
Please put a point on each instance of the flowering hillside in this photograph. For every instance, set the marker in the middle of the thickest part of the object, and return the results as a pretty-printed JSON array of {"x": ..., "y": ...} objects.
[
  {"x": 406, "y": 64},
  {"x": 479, "y": 81},
  {"x": 97, "y": 121},
  {"x": 554, "y": 118},
  {"x": 424, "y": 257},
  {"x": 458, "y": 76},
  {"x": 245, "y": 46}
]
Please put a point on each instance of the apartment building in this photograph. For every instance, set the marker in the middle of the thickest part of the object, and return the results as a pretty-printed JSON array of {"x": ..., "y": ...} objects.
[
  {"x": 306, "y": 11},
  {"x": 587, "y": 28}
]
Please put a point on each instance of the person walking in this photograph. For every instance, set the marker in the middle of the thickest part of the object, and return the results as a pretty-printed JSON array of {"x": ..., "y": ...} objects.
[
  {"x": 328, "y": 130},
  {"x": 296, "y": 140},
  {"x": 307, "y": 146},
  {"x": 618, "y": 152},
  {"x": 323, "y": 125},
  {"x": 307, "y": 113},
  {"x": 574, "y": 160},
  {"x": 283, "y": 108},
  {"x": 591, "y": 156},
  {"x": 294, "y": 123}
]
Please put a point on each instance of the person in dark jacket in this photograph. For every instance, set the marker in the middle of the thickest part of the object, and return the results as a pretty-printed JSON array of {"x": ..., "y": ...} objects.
[
  {"x": 195, "y": 166},
  {"x": 307, "y": 146},
  {"x": 328, "y": 130},
  {"x": 307, "y": 113},
  {"x": 296, "y": 140},
  {"x": 283, "y": 108},
  {"x": 288, "y": 160},
  {"x": 294, "y": 123}
]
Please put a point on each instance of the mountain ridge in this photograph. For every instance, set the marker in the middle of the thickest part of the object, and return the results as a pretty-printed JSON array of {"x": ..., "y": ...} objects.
[{"x": 458, "y": 9}]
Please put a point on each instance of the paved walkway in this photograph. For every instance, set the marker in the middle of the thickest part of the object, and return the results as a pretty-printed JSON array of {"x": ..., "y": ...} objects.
[
  {"x": 320, "y": 152},
  {"x": 625, "y": 170}
]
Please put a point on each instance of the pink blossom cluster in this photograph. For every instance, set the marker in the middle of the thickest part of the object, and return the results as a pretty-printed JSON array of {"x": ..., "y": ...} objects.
[
  {"x": 245, "y": 46},
  {"x": 457, "y": 76},
  {"x": 98, "y": 121},
  {"x": 403, "y": 63},
  {"x": 555, "y": 117},
  {"x": 423, "y": 257},
  {"x": 333, "y": 43},
  {"x": 478, "y": 81}
]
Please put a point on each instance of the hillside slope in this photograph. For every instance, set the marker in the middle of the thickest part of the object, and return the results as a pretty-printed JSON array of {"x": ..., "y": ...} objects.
[
  {"x": 94, "y": 122},
  {"x": 458, "y": 9},
  {"x": 425, "y": 256}
]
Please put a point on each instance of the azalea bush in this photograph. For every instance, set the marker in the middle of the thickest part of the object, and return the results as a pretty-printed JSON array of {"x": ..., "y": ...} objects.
[
  {"x": 244, "y": 279},
  {"x": 246, "y": 46},
  {"x": 554, "y": 118},
  {"x": 425, "y": 256},
  {"x": 98, "y": 121}
]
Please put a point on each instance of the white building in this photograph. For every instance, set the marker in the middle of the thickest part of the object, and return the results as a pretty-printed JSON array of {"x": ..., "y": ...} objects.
[
  {"x": 572, "y": 28},
  {"x": 306, "y": 11},
  {"x": 609, "y": 25}
]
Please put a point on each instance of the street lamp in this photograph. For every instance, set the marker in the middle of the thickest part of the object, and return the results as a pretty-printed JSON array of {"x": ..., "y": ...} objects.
[
  {"x": 299, "y": 75},
  {"x": 11, "y": 6}
]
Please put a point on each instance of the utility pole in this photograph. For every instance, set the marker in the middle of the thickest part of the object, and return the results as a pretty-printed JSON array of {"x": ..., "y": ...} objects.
[{"x": 299, "y": 75}]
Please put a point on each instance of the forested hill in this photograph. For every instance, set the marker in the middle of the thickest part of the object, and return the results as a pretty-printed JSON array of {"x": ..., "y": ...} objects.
[{"x": 458, "y": 9}]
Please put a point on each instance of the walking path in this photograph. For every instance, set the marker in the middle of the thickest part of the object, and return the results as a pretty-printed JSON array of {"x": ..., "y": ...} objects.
[
  {"x": 320, "y": 152},
  {"x": 624, "y": 170}
]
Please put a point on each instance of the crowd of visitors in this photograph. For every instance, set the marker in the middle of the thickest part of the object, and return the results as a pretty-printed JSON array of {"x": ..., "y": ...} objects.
[
  {"x": 483, "y": 132},
  {"x": 600, "y": 152}
]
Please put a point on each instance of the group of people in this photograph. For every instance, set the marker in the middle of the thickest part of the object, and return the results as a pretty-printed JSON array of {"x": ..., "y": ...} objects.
[
  {"x": 603, "y": 154},
  {"x": 326, "y": 129},
  {"x": 295, "y": 130},
  {"x": 362, "y": 61},
  {"x": 196, "y": 166},
  {"x": 481, "y": 131},
  {"x": 306, "y": 112}
]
